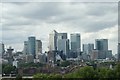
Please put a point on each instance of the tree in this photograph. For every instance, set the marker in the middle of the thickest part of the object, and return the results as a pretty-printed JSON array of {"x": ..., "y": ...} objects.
[
  {"x": 84, "y": 72},
  {"x": 117, "y": 70},
  {"x": 87, "y": 72},
  {"x": 65, "y": 63},
  {"x": 18, "y": 77},
  {"x": 8, "y": 68}
]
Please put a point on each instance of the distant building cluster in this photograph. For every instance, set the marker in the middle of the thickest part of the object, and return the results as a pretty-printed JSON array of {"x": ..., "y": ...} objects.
[{"x": 60, "y": 48}]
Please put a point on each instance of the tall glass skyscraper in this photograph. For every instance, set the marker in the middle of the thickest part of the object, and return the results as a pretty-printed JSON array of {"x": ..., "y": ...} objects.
[
  {"x": 75, "y": 42},
  {"x": 25, "y": 51},
  {"x": 32, "y": 45},
  {"x": 63, "y": 43},
  {"x": 62, "y": 36},
  {"x": 101, "y": 44},
  {"x": 102, "y": 47}
]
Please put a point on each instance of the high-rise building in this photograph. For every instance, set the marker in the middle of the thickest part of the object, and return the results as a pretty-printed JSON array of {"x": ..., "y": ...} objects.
[
  {"x": 32, "y": 46},
  {"x": 29, "y": 58},
  {"x": 94, "y": 54},
  {"x": 10, "y": 55},
  {"x": 87, "y": 48},
  {"x": 75, "y": 42},
  {"x": 38, "y": 47},
  {"x": 62, "y": 36},
  {"x": 25, "y": 50},
  {"x": 118, "y": 51},
  {"x": 63, "y": 45},
  {"x": 53, "y": 41},
  {"x": 2, "y": 49},
  {"x": 102, "y": 46},
  {"x": 109, "y": 54}
]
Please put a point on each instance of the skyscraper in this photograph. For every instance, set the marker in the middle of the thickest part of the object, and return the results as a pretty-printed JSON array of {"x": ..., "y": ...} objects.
[
  {"x": 25, "y": 50},
  {"x": 38, "y": 47},
  {"x": 62, "y": 36},
  {"x": 10, "y": 55},
  {"x": 102, "y": 47},
  {"x": 75, "y": 42},
  {"x": 32, "y": 45},
  {"x": 63, "y": 45},
  {"x": 118, "y": 51},
  {"x": 2, "y": 49},
  {"x": 53, "y": 41},
  {"x": 87, "y": 48},
  {"x": 101, "y": 44}
]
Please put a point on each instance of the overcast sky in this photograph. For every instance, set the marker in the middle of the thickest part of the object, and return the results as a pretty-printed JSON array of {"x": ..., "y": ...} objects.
[{"x": 91, "y": 20}]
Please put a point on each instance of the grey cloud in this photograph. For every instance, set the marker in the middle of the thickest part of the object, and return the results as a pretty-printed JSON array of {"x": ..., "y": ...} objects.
[{"x": 21, "y": 20}]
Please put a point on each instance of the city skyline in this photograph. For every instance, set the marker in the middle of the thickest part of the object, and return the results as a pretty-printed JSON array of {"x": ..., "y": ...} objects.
[{"x": 83, "y": 18}]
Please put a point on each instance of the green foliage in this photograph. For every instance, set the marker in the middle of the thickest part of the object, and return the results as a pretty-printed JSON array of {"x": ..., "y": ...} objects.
[
  {"x": 18, "y": 77},
  {"x": 46, "y": 76},
  {"x": 117, "y": 70},
  {"x": 110, "y": 73},
  {"x": 31, "y": 65},
  {"x": 65, "y": 63},
  {"x": 39, "y": 75},
  {"x": 8, "y": 68},
  {"x": 87, "y": 72}
]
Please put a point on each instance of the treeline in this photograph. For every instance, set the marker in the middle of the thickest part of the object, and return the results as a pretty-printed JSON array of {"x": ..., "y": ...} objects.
[{"x": 86, "y": 72}]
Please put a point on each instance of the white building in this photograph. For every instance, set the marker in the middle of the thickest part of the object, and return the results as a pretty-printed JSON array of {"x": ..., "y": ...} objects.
[
  {"x": 15, "y": 63},
  {"x": 53, "y": 41}
]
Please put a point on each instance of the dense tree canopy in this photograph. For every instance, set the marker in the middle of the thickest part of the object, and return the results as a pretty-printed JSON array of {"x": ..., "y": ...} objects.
[{"x": 87, "y": 72}]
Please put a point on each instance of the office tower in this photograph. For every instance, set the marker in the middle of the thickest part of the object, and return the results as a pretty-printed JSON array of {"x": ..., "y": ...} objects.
[
  {"x": 25, "y": 50},
  {"x": 87, "y": 48},
  {"x": 75, "y": 42},
  {"x": 118, "y": 51},
  {"x": 94, "y": 54},
  {"x": 32, "y": 45},
  {"x": 29, "y": 58},
  {"x": 42, "y": 58},
  {"x": 102, "y": 46},
  {"x": 53, "y": 41},
  {"x": 38, "y": 47},
  {"x": 10, "y": 56},
  {"x": 109, "y": 54},
  {"x": 63, "y": 45},
  {"x": 62, "y": 36},
  {"x": 2, "y": 49}
]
